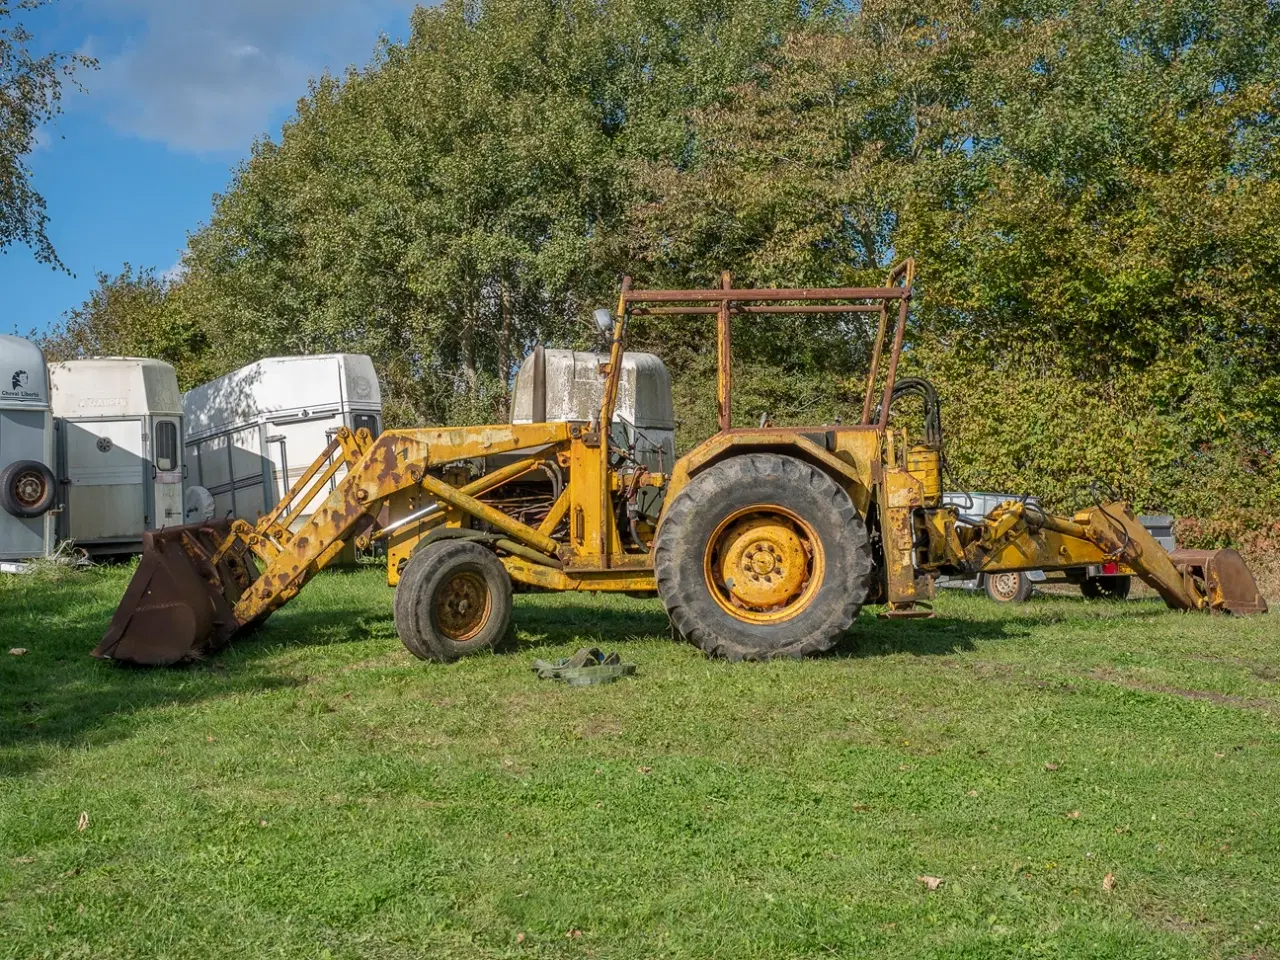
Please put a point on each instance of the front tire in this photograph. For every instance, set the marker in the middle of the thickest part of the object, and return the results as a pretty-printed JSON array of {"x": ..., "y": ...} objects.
[
  {"x": 763, "y": 556},
  {"x": 453, "y": 599}
]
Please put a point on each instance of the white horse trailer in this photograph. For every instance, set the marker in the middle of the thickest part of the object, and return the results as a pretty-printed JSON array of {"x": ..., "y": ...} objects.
[
  {"x": 28, "y": 489},
  {"x": 119, "y": 450},
  {"x": 253, "y": 432}
]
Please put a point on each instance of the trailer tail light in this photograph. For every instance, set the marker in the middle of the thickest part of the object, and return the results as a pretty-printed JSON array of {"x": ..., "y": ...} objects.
[{"x": 1110, "y": 568}]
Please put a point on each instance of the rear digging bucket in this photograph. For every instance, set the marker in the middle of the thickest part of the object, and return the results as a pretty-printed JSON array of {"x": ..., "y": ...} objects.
[
  {"x": 179, "y": 604},
  {"x": 1225, "y": 577}
]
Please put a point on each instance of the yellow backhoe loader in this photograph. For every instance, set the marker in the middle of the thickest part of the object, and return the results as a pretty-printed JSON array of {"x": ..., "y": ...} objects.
[{"x": 761, "y": 542}]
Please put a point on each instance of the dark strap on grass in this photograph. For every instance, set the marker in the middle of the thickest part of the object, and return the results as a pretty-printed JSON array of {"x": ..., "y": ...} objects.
[{"x": 586, "y": 667}]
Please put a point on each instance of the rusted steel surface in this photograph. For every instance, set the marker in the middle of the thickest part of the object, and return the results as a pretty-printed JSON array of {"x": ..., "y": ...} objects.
[
  {"x": 766, "y": 296},
  {"x": 178, "y": 606},
  {"x": 750, "y": 308},
  {"x": 1224, "y": 579},
  {"x": 490, "y": 515},
  {"x": 1017, "y": 536},
  {"x": 724, "y": 359}
]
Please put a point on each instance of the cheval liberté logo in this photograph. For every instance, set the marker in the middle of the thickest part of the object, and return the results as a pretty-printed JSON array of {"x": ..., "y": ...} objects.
[{"x": 19, "y": 383}]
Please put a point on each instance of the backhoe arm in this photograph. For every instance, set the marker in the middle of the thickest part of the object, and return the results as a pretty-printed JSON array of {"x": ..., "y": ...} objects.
[{"x": 1020, "y": 536}]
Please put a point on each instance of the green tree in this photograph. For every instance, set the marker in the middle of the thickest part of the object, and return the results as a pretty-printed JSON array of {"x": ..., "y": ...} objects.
[
  {"x": 30, "y": 97},
  {"x": 462, "y": 196},
  {"x": 136, "y": 314}
]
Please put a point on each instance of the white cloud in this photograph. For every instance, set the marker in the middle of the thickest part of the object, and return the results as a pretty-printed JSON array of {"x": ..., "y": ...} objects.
[{"x": 210, "y": 75}]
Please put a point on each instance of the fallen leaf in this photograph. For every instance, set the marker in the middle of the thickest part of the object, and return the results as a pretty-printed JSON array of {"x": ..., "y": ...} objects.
[
  {"x": 1051, "y": 766},
  {"x": 1073, "y": 815},
  {"x": 645, "y": 770},
  {"x": 82, "y": 823},
  {"x": 25, "y": 860},
  {"x": 860, "y": 807},
  {"x": 574, "y": 934},
  {"x": 80, "y": 910},
  {"x": 209, "y": 739},
  {"x": 262, "y": 823},
  {"x": 972, "y": 793},
  {"x": 1218, "y": 755},
  {"x": 519, "y": 938},
  {"x": 1108, "y": 883},
  {"x": 931, "y": 883},
  {"x": 18, "y": 652}
]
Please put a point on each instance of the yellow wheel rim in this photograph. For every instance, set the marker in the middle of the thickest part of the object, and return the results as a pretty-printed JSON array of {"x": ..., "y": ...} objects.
[
  {"x": 763, "y": 564},
  {"x": 462, "y": 606}
]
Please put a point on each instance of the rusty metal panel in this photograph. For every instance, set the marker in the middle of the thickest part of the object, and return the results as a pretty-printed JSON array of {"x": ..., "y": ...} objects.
[{"x": 1224, "y": 578}]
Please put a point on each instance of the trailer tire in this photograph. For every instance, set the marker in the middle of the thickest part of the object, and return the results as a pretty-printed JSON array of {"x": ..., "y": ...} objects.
[
  {"x": 27, "y": 489},
  {"x": 763, "y": 556},
  {"x": 1115, "y": 587},
  {"x": 453, "y": 599},
  {"x": 1013, "y": 587}
]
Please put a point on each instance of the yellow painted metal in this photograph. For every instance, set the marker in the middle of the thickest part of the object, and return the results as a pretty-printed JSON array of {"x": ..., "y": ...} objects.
[
  {"x": 843, "y": 465},
  {"x": 590, "y": 513},
  {"x": 403, "y": 540},
  {"x": 925, "y": 464},
  {"x": 607, "y": 580},
  {"x": 900, "y": 496},
  {"x": 1018, "y": 536},
  {"x": 763, "y": 564},
  {"x": 490, "y": 515},
  {"x": 396, "y": 461},
  {"x": 558, "y": 511},
  {"x": 267, "y": 522}
]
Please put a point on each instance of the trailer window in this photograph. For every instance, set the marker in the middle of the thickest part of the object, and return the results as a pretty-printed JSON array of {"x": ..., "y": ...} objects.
[
  {"x": 366, "y": 421},
  {"x": 166, "y": 446}
]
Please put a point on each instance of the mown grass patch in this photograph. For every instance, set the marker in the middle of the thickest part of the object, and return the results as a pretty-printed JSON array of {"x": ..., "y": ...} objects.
[{"x": 315, "y": 791}]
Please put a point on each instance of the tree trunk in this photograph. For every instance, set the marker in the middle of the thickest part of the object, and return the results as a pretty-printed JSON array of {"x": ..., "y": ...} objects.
[{"x": 504, "y": 356}]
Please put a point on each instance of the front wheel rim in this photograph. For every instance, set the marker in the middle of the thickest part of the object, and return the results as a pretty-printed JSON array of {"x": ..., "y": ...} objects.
[
  {"x": 763, "y": 564},
  {"x": 462, "y": 606}
]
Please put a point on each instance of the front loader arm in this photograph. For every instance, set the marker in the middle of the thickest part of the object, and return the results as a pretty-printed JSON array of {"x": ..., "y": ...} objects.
[
  {"x": 198, "y": 586},
  {"x": 1020, "y": 536}
]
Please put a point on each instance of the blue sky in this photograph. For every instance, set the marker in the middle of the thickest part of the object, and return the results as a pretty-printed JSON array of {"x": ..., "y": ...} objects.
[{"x": 184, "y": 87}]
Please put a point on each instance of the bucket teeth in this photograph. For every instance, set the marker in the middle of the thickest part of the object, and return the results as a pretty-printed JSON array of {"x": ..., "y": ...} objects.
[{"x": 179, "y": 604}]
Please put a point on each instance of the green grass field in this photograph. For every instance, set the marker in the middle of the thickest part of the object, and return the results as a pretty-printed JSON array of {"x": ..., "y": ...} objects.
[{"x": 316, "y": 792}]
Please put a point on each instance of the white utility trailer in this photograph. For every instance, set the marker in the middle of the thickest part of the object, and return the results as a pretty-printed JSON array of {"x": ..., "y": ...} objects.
[
  {"x": 119, "y": 451},
  {"x": 252, "y": 433},
  {"x": 28, "y": 490}
]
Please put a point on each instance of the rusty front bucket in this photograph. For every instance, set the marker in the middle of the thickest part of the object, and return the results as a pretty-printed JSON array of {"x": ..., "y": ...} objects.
[
  {"x": 1224, "y": 579},
  {"x": 179, "y": 604}
]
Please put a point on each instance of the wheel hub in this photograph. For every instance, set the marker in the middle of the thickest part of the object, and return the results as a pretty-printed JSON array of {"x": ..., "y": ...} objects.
[
  {"x": 29, "y": 488},
  {"x": 763, "y": 562},
  {"x": 462, "y": 606},
  {"x": 1005, "y": 585}
]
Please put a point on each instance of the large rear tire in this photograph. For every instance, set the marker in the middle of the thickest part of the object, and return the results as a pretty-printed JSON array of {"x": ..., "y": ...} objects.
[
  {"x": 763, "y": 556},
  {"x": 453, "y": 599}
]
